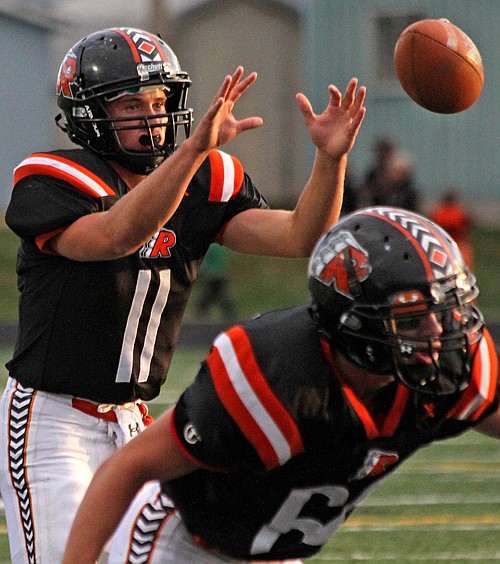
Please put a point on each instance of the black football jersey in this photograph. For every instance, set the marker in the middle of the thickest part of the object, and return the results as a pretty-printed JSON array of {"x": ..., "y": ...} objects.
[
  {"x": 287, "y": 449},
  {"x": 106, "y": 330}
]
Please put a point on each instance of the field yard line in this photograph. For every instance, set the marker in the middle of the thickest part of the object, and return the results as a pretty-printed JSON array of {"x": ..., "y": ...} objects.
[
  {"x": 458, "y": 470},
  {"x": 454, "y": 466},
  {"x": 434, "y": 522},
  {"x": 446, "y": 556},
  {"x": 438, "y": 499}
]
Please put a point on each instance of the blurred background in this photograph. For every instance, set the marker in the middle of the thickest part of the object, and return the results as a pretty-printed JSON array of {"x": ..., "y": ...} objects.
[{"x": 444, "y": 505}]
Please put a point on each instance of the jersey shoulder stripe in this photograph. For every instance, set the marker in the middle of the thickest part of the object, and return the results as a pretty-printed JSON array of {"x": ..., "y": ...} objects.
[
  {"x": 249, "y": 399},
  {"x": 226, "y": 176},
  {"x": 481, "y": 391},
  {"x": 63, "y": 169},
  {"x": 386, "y": 426}
]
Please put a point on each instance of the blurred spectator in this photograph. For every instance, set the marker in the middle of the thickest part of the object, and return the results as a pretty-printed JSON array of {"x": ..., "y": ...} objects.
[
  {"x": 350, "y": 200},
  {"x": 390, "y": 179},
  {"x": 452, "y": 216},
  {"x": 214, "y": 283}
]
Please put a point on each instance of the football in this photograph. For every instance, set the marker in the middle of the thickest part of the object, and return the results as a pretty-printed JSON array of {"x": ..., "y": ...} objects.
[{"x": 438, "y": 66}]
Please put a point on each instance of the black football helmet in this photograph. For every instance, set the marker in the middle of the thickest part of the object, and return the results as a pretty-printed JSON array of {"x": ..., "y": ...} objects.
[
  {"x": 376, "y": 278},
  {"x": 110, "y": 63}
]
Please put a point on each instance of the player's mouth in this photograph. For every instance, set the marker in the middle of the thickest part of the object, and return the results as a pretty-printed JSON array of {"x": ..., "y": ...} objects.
[
  {"x": 425, "y": 358},
  {"x": 150, "y": 141}
]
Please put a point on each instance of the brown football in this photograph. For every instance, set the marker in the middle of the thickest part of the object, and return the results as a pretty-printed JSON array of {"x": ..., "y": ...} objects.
[{"x": 439, "y": 66}]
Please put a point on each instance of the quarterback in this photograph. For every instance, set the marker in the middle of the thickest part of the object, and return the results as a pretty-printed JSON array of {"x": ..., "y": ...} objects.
[{"x": 113, "y": 233}]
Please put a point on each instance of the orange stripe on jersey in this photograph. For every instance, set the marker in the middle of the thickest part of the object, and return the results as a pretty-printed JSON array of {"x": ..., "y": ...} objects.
[
  {"x": 226, "y": 176},
  {"x": 389, "y": 422},
  {"x": 41, "y": 240},
  {"x": 248, "y": 398},
  {"x": 481, "y": 391},
  {"x": 63, "y": 169}
]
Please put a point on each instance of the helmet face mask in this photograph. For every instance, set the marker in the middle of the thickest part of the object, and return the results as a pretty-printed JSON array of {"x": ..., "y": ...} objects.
[
  {"x": 111, "y": 63},
  {"x": 392, "y": 293}
]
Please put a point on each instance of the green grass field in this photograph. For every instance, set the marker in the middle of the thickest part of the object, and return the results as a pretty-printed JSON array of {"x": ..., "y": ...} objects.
[{"x": 442, "y": 506}]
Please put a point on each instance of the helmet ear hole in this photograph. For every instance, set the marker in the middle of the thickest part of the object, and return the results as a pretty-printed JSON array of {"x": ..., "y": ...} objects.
[{"x": 350, "y": 321}]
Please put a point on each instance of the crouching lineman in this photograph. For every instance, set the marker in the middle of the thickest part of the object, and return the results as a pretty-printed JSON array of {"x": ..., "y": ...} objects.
[{"x": 297, "y": 413}]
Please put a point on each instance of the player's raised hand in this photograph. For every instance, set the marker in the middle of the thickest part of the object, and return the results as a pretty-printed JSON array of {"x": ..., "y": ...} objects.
[
  {"x": 334, "y": 131},
  {"x": 218, "y": 125}
]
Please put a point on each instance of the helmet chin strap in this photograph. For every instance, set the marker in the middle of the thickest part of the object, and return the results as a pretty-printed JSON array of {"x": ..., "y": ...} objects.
[
  {"x": 435, "y": 379},
  {"x": 138, "y": 164}
]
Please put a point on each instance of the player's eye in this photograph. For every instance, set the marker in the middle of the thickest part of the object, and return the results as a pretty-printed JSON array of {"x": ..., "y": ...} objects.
[{"x": 407, "y": 324}]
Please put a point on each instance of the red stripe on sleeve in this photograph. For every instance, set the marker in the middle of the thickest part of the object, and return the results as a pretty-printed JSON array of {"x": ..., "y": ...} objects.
[
  {"x": 46, "y": 169},
  {"x": 473, "y": 392},
  {"x": 217, "y": 176},
  {"x": 263, "y": 391},
  {"x": 238, "y": 175},
  {"x": 250, "y": 381}
]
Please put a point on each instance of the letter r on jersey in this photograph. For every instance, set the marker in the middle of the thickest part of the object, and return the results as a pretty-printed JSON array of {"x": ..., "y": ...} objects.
[{"x": 159, "y": 245}]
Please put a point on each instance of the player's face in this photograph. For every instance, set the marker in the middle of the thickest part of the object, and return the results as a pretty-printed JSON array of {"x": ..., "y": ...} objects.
[
  {"x": 129, "y": 106},
  {"x": 424, "y": 332}
]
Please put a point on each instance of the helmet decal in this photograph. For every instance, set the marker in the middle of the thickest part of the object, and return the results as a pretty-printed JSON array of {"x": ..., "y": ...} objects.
[
  {"x": 433, "y": 250},
  {"x": 341, "y": 262},
  {"x": 66, "y": 76},
  {"x": 144, "y": 46}
]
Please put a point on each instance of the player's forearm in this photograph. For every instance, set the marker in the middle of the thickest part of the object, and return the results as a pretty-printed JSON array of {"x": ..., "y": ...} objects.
[
  {"x": 320, "y": 203},
  {"x": 136, "y": 217},
  {"x": 292, "y": 234},
  {"x": 106, "y": 500},
  {"x": 141, "y": 213},
  {"x": 149, "y": 206}
]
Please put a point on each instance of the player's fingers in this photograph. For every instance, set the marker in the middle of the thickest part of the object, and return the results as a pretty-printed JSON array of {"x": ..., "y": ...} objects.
[
  {"x": 335, "y": 95},
  {"x": 359, "y": 99},
  {"x": 239, "y": 88},
  {"x": 224, "y": 87},
  {"x": 305, "y": 107},
  {"x": 349, "y": 94},
  {"x": 214, "y": 108},
  {"x": 250, "y": 123}
]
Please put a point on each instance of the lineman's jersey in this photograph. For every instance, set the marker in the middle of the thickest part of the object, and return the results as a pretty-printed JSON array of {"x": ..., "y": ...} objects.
[
  {"x": 106, "y": 330},
  {"x": 293, "y": 448}
]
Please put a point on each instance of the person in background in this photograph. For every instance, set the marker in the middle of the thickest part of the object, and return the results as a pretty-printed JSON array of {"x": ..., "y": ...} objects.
[
  {"x": 350, "y": 202},
  {"x": 452, "y": 215},
  {"x": 390, "y": 181},
  {"x": 112, "y": 237},
  {"x": 297, "y": 414},
  {"x": 214, "y": 280}
]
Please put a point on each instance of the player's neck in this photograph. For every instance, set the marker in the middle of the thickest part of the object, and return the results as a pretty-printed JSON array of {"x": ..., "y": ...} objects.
[
  {"x": 131, "y": 179},
  {"x": 365, "y": 384}
]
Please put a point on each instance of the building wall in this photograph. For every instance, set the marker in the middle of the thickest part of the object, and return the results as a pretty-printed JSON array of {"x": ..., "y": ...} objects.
[
  {"x": 263, "y": 36},
  {"x": 460, "y": 149},
  {"x": 25, "y": 94},
  {"x": 298, "y": 46}
]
